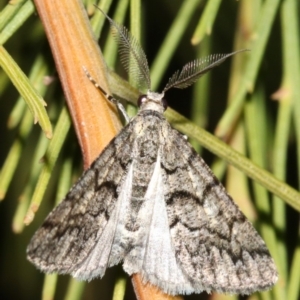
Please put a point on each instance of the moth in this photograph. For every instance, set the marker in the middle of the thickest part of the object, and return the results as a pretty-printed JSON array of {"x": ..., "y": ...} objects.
[{"x": 150, "y": 202}]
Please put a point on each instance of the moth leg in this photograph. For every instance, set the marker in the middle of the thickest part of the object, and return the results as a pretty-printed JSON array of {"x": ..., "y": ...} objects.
[{"x": 107, "y": 96}]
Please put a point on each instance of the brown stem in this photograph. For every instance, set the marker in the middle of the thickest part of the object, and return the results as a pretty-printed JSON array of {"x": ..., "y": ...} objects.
[
  {"x": 149, "y": 292},
  {"x": 95, "y": 119},
  {"x": 73, "y": 46}
]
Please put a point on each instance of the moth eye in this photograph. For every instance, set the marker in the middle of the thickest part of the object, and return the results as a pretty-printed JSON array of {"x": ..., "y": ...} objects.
[
  {"x": 141, "y": 100},
  {"x": 164, "y": 103}
]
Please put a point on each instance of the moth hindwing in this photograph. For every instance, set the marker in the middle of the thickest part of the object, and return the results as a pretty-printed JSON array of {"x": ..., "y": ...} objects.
[{"x": 150, "y": 202}]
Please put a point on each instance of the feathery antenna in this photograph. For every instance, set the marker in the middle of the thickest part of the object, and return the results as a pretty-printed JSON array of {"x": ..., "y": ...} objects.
[
  {"x": 132, "y": 55},
  {"x": 193, "y": 70}
]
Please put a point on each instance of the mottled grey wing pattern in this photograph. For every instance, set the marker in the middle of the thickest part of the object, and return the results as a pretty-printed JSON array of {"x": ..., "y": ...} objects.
[
  {"x": 150, "y": 201},
  {"x": 71, "y": 231},
  {"x": 215, "y": 245}
]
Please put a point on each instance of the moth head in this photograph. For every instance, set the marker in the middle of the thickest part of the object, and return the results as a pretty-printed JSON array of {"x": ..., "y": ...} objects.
[{"x": 152, "y": 101}]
